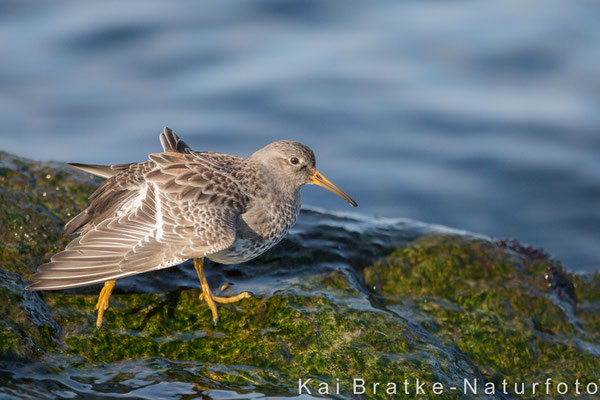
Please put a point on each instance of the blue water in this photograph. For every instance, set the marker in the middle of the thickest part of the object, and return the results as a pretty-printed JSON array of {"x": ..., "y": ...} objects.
[{"x": 479, "y": 115}]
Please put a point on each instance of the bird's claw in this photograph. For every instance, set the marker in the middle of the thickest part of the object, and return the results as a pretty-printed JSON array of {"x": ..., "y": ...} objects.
[
  {"x": 207, "y": 294},
  {"x": 211, "y": 300}
]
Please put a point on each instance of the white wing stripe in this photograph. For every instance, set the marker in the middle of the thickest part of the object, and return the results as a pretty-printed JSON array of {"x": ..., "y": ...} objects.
[{"x": 159, "y": 215}]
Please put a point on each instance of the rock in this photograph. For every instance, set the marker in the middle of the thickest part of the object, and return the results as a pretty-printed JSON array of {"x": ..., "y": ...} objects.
[
  {"x": 27, "y": 327},
  {"x": 36, "y": 201},
  {"x": 343, "y": 297},
  {"x": 496, "y": 306}
]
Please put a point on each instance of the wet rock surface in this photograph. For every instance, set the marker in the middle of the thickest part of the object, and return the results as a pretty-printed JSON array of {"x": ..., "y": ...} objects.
[{"x": 341, "y": 297}]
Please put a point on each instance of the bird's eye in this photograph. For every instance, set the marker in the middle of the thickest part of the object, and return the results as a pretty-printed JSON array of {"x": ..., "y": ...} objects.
[{"x": 294, "y": 160}]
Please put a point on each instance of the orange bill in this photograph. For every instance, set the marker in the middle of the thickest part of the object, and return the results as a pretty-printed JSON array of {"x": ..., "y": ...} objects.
[{"x": 318, "y": 179}]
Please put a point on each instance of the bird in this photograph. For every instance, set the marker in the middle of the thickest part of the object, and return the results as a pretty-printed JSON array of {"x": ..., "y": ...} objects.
[{"x": 179, "y": 205}]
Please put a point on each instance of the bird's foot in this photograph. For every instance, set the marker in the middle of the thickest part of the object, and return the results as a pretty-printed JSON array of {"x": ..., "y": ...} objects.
[
  {"x": 103, "y": 301},
  {"x": 211, "y": 299},
  {"x": 227, "y": 300}
]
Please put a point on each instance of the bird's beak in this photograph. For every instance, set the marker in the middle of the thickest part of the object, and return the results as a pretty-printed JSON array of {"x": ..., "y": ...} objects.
[{"x": 318, "y": 179}]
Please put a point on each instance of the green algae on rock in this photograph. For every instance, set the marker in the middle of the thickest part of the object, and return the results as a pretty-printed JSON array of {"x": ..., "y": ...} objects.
[
  {"x": 26, "y": 327},
  {"x": 495, "y": 306},
  {"x": 37, "y": 200},
  {"x": 284, "y": 337},
  {"x": 341, "y": 297}
]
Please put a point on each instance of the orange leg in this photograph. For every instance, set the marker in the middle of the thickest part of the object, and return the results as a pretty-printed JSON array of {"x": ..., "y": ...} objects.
[
  {"x": 207, "y": 294},
  {"x": 102, "y": 304}
]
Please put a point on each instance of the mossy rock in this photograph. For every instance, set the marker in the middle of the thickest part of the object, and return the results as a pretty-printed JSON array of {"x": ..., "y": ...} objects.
[
  {"x": 26, "y": 325},
  {"x": 36, "y": 201},
  {"x": 283, "y": 337},
  {"x": 341, "y": 297},
  {"x": 514, "y": 314}
]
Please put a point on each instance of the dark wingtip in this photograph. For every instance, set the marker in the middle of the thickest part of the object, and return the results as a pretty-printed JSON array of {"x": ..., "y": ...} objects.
[
  {"x": 73, "y": 225},
  {"x": 171, "y": 142}
]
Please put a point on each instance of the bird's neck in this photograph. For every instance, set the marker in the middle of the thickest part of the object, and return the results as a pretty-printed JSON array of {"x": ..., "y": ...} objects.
[{"x": 278, "y": 186}]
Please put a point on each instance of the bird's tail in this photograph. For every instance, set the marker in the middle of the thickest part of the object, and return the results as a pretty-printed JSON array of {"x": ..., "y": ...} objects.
[{"x": 103, "y": 171}]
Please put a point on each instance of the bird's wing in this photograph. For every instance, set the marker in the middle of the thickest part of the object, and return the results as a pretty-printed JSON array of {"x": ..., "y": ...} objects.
[
  {"x": 172, "y": 143},
  {"x": 206, "y": 178},
  {"x": 115, "y": 195},
  {"x": 155, "y": 221}
]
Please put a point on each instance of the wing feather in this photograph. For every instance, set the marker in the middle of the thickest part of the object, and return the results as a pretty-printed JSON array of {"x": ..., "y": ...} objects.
[
  {"x": 130, "y": 244},
  {"x": 151, "y": 215},
  {"x": 171, "y": 142}
]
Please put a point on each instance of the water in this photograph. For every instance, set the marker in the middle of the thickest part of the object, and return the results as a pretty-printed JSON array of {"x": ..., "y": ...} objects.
[{"x": 479, "y": 115}]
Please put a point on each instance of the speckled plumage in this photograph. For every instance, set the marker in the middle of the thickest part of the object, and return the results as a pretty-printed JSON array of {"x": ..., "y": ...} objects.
[{"x": 178, "y": 205}]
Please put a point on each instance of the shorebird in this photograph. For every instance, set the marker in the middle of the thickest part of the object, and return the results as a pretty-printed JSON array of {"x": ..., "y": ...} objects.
[{"x": 181, "y": 205}]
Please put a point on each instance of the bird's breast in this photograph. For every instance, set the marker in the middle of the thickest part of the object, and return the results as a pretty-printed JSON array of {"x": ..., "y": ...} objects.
[{"x": 257, "y": 230}]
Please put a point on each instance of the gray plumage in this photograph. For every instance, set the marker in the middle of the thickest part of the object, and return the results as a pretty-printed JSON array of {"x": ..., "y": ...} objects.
[{"x": 178, "y": 205}]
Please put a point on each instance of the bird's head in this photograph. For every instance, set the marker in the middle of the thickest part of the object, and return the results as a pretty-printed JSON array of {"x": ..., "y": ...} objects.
[{"x": 295, "y": 164}]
